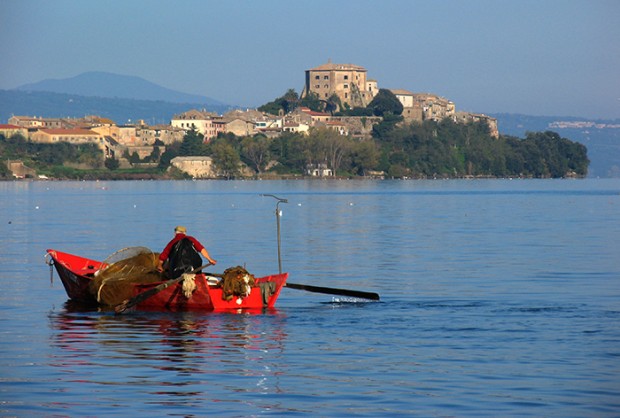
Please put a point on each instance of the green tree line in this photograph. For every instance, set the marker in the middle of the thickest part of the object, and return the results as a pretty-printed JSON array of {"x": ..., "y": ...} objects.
[
  {"x": 47, "y": 156},
  {"x": 448, "y": 149},
  {"x": 417, "y": 150}
]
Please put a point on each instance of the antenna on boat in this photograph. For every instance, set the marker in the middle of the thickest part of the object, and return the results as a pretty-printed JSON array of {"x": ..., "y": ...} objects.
[{"x": 278, "y": 214}]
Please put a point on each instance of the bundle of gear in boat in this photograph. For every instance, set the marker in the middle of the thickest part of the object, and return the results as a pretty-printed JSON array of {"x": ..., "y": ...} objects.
[{"x": 126, "y": 268}]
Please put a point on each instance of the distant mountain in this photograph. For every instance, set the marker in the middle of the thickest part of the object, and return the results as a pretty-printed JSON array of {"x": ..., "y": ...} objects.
[
  {"x": 121, "y": 111},
  {"x": 518, "y": 125},
  {"x": 108, "y": 85}
]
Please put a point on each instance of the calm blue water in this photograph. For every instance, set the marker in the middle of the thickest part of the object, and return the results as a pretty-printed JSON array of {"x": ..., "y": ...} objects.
[{"x": 499, "y": 298}]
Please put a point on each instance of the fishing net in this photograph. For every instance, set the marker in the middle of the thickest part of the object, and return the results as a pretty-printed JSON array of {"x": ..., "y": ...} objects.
[
  {"x": 236, "y": 281},
  {"x": 114, "y": 283},
  {"x": 126, "y": 253}
]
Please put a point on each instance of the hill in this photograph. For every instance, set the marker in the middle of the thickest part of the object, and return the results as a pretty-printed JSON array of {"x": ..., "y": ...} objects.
[
  {"x": 108, "y": 85},
  {"x": 57, "y": 105}
]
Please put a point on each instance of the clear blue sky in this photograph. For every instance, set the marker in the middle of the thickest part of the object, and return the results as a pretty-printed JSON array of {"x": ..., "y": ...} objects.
[{"x": 537, "y": 57}]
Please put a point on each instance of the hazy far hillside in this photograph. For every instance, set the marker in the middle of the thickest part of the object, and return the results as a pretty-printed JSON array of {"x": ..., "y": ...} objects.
[
  {"x": 121, "y": 111},
  {"x": 108, "y": 85},
  {"x": 601, "y": 137}
]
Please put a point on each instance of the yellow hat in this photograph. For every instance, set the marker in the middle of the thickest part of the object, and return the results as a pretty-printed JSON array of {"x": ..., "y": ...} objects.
[{"x": 180, "y": 229}]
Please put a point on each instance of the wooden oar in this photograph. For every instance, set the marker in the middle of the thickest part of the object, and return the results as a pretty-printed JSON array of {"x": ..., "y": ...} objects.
[
  {"x": 130, "y": 303},
  {"x": 333, "y": 291}
]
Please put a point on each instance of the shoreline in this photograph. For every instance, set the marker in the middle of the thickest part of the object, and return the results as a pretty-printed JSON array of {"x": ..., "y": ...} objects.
[{"x": 300, "y": 178}]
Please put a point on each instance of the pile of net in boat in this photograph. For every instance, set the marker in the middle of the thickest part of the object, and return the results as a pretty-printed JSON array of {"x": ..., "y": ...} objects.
[
  {"x": 127, "y": 267},
  {"x": 236, "y": 282},
  {"x": 114, "y": 284}
]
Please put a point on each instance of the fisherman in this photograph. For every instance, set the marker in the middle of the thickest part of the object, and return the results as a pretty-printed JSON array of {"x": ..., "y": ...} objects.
[{"x": 182, "y": 254}]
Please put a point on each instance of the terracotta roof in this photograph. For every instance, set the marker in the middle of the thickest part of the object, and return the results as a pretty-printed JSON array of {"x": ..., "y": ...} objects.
[
  {"x": 195, "y": 114},
  {"x": 6, "y": 126},
  {"x": 307, "y": 111},
  {"x": 161, "y": 127},
  {"x": 191, "y": 158},
  {"x": 75, "y": 131},
  {"x": 402, "y": 92},
  {"x": 106, "y": 121},
  {"x": 27, "y": 118}
]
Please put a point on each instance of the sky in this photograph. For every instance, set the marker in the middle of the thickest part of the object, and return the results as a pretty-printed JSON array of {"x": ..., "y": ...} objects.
[{"x": 533, "y": 57}]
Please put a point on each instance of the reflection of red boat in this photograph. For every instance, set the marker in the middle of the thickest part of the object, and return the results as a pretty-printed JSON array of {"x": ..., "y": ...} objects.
[{"x": 77, "y": 272}]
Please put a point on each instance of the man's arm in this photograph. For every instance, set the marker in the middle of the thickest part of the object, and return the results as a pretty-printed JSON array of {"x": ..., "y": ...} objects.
[{"x": 206, "y": 255}]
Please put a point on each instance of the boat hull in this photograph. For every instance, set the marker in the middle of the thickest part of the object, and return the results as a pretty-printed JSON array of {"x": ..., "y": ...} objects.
[{"x": 77, "y": 272}]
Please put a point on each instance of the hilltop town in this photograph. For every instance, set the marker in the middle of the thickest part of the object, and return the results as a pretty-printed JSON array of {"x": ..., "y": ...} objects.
[{"x": 336, "y": 90}]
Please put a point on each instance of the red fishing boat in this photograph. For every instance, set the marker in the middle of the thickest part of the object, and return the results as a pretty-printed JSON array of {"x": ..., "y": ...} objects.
[
  {"x": 138, "y": 284},
  {"x": 77, "y": 273}
]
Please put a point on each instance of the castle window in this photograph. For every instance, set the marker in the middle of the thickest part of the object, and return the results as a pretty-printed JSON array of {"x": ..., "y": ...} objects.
[
  {"x": 326, "y": 77},
  {"x": 346, "y": 86},
  {"x": 346, "y": 77},
  {"x": 317, "y": 77}
]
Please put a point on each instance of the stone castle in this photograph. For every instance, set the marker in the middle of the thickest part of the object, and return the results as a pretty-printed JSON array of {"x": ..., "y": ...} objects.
[{"x": 353, "y": 88}]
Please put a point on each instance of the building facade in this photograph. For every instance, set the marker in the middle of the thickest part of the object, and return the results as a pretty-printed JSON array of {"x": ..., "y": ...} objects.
[
  {"x": 8, "y": 130},
  {"x": 433, "y": 107},
  {"x": 30, "y": 122},
  {"x": 72, "y": 136},
  {"x": 347, "y": 81},
  {"x": 207, "y": 123},
  {"x": 466, "y": 117},
  {"x": 424, "y": 106},
  {"x": 197, "y": 167}
]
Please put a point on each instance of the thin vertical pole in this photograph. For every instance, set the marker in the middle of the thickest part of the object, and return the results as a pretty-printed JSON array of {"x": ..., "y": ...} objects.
[
  {"x": 279, "y": 246},
  {"x": 280, "y": 200}
]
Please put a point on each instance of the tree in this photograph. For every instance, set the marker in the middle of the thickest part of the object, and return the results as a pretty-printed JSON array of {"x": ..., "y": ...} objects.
[
  {"x": 155, "y": 154},
  {"x": 555, "y": 156},
  {"x": 290, "y": 100},
  {"x": 4, "y": 170},
  {"x": 192, "y": 144},
  {"x": 256, "y": 150},
  {"x": 397, "y": 171},
  {"x": 89, "y": 154},
  {"x": 286, "y": 103},
  {"x": 327, "y": 145},
  {"x": 312, "y": 102},
  {"x": 356, "y": 111},
  {"x": 134, "y": 158},
  {"x": 172, "y": 151},
  {"x": 365, "y": 156},
  {"x": 290, "y": 150},
  {"x": 112, "y": 164},
  {"x": 385, "y": 102},
  {"x": 338, "y": 147},
  {"x": 226, "y": 159},
  {"x": 383, "y": 128},
  {"x": 333, "y": 104}
]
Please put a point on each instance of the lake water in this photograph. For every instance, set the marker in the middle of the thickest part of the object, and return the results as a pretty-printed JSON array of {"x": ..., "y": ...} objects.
[{"x": 498, "y": 298}]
